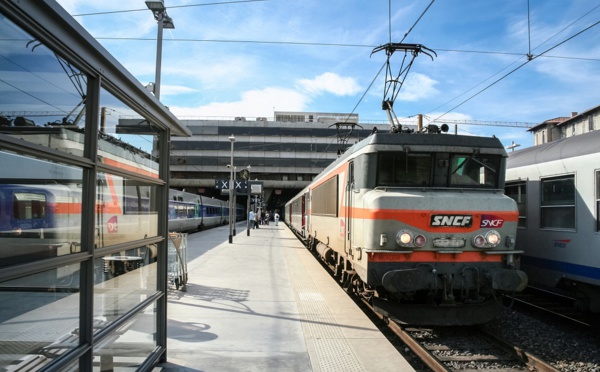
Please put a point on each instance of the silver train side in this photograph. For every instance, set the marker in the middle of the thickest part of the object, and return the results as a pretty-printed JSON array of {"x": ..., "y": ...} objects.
[
  {"x": 193, "y": 212},
  {"x": 417, "y": 224},
  {"x": 557, "y": 188}
]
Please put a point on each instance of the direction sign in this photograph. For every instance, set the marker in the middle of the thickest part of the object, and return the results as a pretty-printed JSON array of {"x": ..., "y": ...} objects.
[{"x": 240, "y": 186}]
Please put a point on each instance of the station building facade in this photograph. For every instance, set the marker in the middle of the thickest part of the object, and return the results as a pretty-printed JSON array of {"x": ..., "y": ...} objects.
[
  {"x": 83, "y": 210},
  {"x": 284, "y": 152},
  {"x": 564, "y": 127}
]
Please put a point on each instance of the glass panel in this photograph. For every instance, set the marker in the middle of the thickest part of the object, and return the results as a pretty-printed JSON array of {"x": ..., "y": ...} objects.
[
  {"x": 518, "y": 192},
  {"x": 42, "y": 96},
  {"x": 558, "y": 191},
  {"x": 126, "y": 210},
  {"x": 472, "y": 170},
  {"x": 40, "y": 209},
  {"x": 558, "y": 217},
  {"x": 39, "y": 316},
  {"x": 402, "y": 169},
  {"x": 126, "y": 141},
  {"x": 129, "y": 346},
  {"x": 123, "y": 281}
]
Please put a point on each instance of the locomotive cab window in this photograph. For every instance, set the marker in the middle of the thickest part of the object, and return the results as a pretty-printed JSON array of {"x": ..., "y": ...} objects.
[
  {"x": 474, "y": 171},
  {"x": 402, "y": 169}
]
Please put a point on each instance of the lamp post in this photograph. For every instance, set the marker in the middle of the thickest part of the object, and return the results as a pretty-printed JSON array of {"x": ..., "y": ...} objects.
[
  {"x": 248, "y": 193},
  {"x": 157, "y": 7},
  {"x": 231, "y": 185}
]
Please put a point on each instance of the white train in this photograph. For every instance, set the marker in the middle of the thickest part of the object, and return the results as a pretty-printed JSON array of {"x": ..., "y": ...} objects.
[{"x": 557, "y": 189}]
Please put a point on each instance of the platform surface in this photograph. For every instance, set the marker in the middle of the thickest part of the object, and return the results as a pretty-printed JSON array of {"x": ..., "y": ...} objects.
[{"x": 263, "y": 303}]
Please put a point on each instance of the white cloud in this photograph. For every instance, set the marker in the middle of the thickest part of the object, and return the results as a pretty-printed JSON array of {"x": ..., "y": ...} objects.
[
  {"x": 253, "y": 103},
  {"x": 166, "y": 90},
  {"x": 416, "y": 87},
  {"x": 330, "y": 82}
]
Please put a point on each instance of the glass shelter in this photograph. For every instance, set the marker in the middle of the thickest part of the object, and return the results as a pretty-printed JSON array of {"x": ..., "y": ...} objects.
[{"x": 83, "y": 201}]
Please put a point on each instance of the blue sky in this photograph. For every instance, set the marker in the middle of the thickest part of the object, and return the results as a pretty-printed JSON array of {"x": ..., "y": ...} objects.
[{"x": 228, "y": 58}]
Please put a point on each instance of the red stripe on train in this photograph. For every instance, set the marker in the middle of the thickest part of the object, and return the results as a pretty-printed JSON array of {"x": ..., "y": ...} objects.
[{"x": 429, "y": 256}]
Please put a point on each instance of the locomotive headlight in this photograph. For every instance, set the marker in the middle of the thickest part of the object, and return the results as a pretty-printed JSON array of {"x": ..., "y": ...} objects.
[
  {"x": 492, "y": 238},
  {"x": 404, "y": 238},
  {"x": 17, "y": 231},
  {"x": 479, "y": 241},
  {"x": 420, "y": 240}
]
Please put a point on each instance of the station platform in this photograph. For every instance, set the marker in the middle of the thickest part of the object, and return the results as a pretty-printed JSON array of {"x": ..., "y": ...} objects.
[{"x": 263, "y": 303}]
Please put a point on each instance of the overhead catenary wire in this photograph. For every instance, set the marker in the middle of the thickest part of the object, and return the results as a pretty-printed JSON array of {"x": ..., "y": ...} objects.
[
  {"x": 529, "y": 59},
  {"x": 170, "y": 7}
]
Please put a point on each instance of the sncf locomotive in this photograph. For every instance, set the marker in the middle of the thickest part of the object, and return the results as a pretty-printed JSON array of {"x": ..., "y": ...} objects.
[{"x": 417, "y": 224}]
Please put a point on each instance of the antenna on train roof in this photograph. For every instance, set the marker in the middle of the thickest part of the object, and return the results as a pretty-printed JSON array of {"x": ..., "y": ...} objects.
[{"x": 393, "y": 83}]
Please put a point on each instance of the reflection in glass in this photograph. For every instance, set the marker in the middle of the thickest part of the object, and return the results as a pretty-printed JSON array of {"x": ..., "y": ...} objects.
[
  {"x": 39, "y": 315},
  {"x": 42, "y": 96},
  {"x": 126, "y": 210},
  {"x": 128, "y": 144},
  {"x": 40, "y": 209},
  {"x": 123, "y": 281},
  {"x": 474, "y": 171},
  {"x": 129, "y": 346}
]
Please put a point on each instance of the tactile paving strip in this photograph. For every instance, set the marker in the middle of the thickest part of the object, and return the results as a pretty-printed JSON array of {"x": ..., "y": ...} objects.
[{"x": 333, "y": 352}]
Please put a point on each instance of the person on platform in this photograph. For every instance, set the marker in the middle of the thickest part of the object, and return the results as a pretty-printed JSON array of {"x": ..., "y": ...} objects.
[
  {"x": 256, "y": 218},
  {"x": 251, "y": 218},
  {"x": 276, "y": 217}
]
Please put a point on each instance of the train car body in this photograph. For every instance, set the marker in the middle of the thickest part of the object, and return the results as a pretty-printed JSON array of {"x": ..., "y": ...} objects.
[
  {"x": 192, "y": 212},
  {"x": 557, "y": 188},
  {"x": 44, "y": 220},
  {"x": 418, "y": 224}
]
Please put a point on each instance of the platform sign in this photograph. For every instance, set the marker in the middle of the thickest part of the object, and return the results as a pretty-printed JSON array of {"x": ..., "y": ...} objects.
[
  {"x": 240, "y": 186},
  {"x": 256, "y": 187}
]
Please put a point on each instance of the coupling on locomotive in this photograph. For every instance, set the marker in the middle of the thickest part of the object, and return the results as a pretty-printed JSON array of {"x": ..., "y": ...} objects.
[{"x": 418, "y": 224}]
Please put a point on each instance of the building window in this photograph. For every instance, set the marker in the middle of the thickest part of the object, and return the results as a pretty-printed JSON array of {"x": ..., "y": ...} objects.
[
  {"x": 518, "y": 192},
  {"x": 558, "y": 203},
  {"x": 590, "y": 123}
]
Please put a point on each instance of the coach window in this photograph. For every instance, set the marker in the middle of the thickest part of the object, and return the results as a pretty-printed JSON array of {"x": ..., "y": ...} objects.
[
  {"x": 518, "y": 192},
  {"x": 42, "y": 95},
  {"x": 558, "y": 203}
]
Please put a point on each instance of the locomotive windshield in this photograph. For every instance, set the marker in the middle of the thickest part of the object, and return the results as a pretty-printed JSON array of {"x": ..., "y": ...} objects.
[{"x": 413, "y": 169}]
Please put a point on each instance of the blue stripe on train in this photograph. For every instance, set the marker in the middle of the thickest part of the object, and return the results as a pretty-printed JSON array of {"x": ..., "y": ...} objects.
[{"x": 569, "y": 268}]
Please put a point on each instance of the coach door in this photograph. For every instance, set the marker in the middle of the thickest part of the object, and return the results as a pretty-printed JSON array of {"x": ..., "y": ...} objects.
[{"x": 349, "y": 206}]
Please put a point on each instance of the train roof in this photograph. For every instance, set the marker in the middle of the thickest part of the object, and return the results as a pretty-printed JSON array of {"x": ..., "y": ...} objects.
[
  {"x": 433, "y": 139},
  {"x": 565, "y": 148}
]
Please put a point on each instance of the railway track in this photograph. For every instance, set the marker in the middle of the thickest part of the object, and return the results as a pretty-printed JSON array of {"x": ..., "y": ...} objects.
[
  {"x": 464, "y": 349},
  {"x": 453, "y": 348},
  {"x": 547, "y": 304}
]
